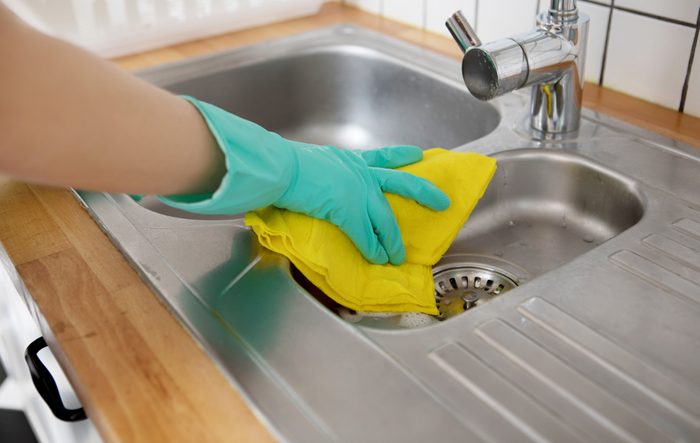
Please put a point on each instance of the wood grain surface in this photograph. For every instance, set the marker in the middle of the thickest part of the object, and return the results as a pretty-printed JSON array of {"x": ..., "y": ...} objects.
[{"x": 138, "y": 373}]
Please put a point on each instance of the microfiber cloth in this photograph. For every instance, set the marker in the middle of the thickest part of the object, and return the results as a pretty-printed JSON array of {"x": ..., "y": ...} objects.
[{"x": 327, "y": 257}]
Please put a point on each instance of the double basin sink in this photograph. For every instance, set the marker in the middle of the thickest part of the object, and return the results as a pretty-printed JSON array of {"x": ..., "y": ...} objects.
[{"x": 586, "y": 248}]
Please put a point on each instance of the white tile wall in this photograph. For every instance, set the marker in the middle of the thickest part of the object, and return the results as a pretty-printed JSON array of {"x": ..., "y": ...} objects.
[
  {"x": 596, "y": 39},
  {"x": 406, "y": 11},
  {"x": 646, "y": 57},
  {"x": 684, "y": 10},
  {"x": 692, "y": 102},
  {"x": 438, "y": 11},
  {"x": 498, "y": 19}
]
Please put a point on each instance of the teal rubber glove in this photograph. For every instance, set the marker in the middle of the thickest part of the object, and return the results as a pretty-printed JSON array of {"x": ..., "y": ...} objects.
[{"x": 343, "y": 187}]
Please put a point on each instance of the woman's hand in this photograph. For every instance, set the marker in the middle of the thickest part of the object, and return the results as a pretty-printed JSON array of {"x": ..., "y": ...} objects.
[{"x": 344, "y": 187}]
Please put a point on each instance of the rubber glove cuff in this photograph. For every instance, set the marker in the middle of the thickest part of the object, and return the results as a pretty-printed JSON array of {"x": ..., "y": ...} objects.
[{"x": 257, "y": 160}]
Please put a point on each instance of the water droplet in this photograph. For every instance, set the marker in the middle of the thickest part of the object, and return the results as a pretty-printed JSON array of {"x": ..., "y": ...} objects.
[
  {"x": 511, "y": 223},
  {"x": 563, "y": 222},
  {"x": 588, "y": 238},
  {"x": 498, "y": 253}
]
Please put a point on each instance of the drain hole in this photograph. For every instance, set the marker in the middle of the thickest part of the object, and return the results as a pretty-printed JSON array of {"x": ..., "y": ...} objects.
[
  {"x": 453, "y": 282},
  {"x": 487, "y": 283}
]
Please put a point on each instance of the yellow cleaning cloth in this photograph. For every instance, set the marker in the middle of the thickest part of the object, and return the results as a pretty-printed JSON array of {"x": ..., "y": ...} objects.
[{"x": 327, "y": 257}]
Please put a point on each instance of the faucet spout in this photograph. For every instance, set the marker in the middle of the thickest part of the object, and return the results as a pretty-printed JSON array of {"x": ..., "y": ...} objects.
[{"x": 549, "y": 58}]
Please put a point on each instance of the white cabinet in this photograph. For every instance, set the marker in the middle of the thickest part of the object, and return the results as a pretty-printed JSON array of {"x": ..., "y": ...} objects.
[{"x": 17, "y": 330}]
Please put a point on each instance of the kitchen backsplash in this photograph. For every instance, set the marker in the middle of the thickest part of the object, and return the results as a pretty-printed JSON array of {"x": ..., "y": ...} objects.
[{"x": 645, "y": 48}]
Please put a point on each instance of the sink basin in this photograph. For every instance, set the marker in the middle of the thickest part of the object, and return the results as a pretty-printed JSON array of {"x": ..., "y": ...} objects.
[
  {"x": 586, "y": 246},
  {"x": 543, "y": 208},
  {"x": 346, "y": 96},
  {"x": 352, "y": 97}
]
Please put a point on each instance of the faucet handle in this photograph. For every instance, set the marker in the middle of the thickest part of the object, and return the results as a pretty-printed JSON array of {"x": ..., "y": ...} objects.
[{"x": 462, "y": 31}]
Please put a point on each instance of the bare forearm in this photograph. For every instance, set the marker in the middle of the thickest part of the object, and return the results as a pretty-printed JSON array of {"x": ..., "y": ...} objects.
[{"x": 69, "y": 118}]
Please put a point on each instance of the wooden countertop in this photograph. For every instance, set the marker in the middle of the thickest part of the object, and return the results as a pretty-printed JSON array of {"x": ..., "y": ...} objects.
[{"x": 139, "y": 374}]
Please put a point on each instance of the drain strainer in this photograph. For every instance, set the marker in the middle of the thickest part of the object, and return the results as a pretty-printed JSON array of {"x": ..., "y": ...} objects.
[
  {"x": 460, "y": 288},
  {"x": 462, "y": 282}
]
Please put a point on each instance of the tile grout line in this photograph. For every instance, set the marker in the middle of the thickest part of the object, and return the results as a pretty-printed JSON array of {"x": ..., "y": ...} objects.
[
  {"x": 642, "y": 13},
  {"x": 604, "y": 60},
  {"x": 691, "y": 59},
  {"x": 476, "y": 17},
  {"x": 425, "y": 16},
  {"x": 656, "y": 17}
]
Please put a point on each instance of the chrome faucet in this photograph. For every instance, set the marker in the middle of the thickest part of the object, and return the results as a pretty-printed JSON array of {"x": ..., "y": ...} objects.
[{"x": 550, "y": 58}]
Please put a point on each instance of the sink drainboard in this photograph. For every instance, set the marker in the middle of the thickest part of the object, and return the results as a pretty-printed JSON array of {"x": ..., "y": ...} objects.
[{"x": 462, "y": 282}]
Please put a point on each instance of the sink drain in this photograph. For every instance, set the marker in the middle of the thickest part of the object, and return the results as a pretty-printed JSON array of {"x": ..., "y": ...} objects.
[
  {"x": 462, "y": 282},
  {"x": 459, "y": 289}
]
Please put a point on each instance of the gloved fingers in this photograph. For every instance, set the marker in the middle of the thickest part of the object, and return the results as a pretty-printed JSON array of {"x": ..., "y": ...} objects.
[
  {"x": 386, "y": 228},
  {"x": 413, "y": 187},
  {"x": 392, "y": 156},
  {"x": 358, "y": 227}
]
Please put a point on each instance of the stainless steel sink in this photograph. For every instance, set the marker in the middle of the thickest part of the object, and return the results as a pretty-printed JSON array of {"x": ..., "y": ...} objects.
[
  {"x": 588, "y": 249},
  {"x": 543, "y": 208},
  {"x": 343, "y": 95}
]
